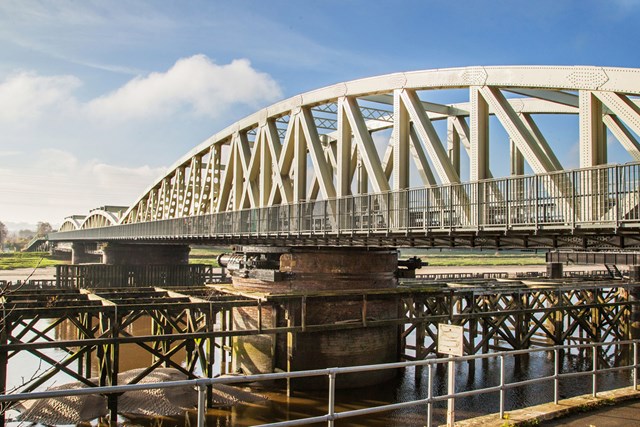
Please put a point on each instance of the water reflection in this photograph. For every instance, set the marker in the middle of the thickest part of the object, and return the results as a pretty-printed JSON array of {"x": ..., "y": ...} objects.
[{"x": 412, "y": 384}]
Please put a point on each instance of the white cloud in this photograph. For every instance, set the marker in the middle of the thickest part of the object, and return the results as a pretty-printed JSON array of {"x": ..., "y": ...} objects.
[
  {"x": 57, "y": 184},
  {"x": 9, "y": 153},
  {"x": 67, "y": 155},
  {"x": 195, "y": 84},
  {"x": 26, "y": 95}
]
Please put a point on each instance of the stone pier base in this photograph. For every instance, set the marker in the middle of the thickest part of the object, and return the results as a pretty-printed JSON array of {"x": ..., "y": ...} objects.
[{"x": 312, "y": 272}]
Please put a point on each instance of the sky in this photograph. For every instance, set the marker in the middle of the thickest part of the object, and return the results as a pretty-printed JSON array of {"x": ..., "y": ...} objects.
[{"x": 99, "y": 98}]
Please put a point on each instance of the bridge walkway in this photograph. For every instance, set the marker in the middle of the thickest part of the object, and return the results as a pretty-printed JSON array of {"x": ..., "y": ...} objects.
[
  {"x": 542, "y": 211},
  {"x": 619, "y": 408}
]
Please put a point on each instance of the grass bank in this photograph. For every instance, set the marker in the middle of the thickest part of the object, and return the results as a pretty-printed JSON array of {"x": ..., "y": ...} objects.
[
  {"x": 208, "y": 256},
  {"x": 11, "y": 260},
  {"x": 446, "y": 258},
  {"x": 471, "y": 258}
]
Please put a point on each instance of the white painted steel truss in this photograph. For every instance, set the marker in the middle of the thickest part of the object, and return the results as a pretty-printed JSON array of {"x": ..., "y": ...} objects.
[{"x": 331, "y": 142}]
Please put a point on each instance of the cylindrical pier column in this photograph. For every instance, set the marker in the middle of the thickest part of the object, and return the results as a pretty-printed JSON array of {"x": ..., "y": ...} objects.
[{"x": 317, "y": 279}]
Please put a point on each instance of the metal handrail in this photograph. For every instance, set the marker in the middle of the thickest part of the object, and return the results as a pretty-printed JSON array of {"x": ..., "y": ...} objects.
[
  {"x": 564, "y": 200},
  {"x": 202, "y": 383}
]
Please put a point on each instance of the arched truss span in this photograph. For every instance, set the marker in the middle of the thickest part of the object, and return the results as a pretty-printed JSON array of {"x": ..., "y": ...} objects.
[
  {"x": 72, "y": 223},
  {"x": 323, "y": 144},
  {"x": 99, "y": 218}
]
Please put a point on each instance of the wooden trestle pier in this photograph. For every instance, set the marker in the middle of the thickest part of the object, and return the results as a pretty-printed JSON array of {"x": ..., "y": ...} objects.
[{"x": 192, "y": 327}]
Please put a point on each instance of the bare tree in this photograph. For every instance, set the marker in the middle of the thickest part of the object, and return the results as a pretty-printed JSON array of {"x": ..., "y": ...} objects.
[
  {"x": 3, "y": 235},
  {"x": 44, "y": 228}
]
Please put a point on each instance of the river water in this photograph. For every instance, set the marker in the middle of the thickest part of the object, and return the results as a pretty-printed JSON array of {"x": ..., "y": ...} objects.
[{"x": 411, "y": 384}]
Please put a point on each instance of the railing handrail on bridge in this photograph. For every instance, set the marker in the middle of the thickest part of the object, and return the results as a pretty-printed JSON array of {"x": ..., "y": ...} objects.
[
  {"x": 202, "y": 383},
  {"x": 599, "y": 198}
]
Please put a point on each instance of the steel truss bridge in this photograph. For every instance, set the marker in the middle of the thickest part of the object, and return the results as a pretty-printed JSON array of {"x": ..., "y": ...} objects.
[{"x": 377, "y": 161}]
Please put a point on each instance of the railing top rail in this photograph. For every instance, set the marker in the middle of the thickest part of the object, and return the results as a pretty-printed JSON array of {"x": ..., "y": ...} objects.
[{"x": 203, "y": 382}]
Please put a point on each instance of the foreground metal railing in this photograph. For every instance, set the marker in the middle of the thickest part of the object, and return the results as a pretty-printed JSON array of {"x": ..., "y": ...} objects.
[
  {"x": 502, "y": 388},
  {"x": 600, "y": 197}
]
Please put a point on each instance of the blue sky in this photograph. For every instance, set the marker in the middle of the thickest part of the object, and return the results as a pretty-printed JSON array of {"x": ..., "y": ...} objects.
[{"x": 83, "y": 124}]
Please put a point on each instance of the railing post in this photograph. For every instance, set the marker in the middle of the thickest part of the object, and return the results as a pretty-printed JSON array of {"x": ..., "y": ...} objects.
[
  {"x": 326, "y": 219},
  {"x": 388, "y": 211},
  {"x": 429, "y": 394},
  {"x": 507, "y": 213},
  {"x": 202, "y": 389},
  {"x": 594, "y": 367},
  {"x": 556, "y": 373},
  {"x": 480, "y": 201},
  {"x": 501, "y": 386},
  {"x": 332, "y": 397},
  {"x": 573, "y": 202},
  {"x": 535, "y": 197},
  {"x": 451, "y": 402},
  {"x": 617, "y": 198},
  {"x": 408, "y": 216},
  {"x": 635, "y": 365},
  {"x": 353, "y": 214},
  {"x": 425, "y": 213},
  {"x": 450, "y": 208},
  {"x": 267, "y": 223}
]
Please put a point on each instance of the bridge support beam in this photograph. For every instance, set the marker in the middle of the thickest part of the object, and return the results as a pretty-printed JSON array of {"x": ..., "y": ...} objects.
[
  {"x": 142, "y": 254},
  {"x": 317, "y": 276}
]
